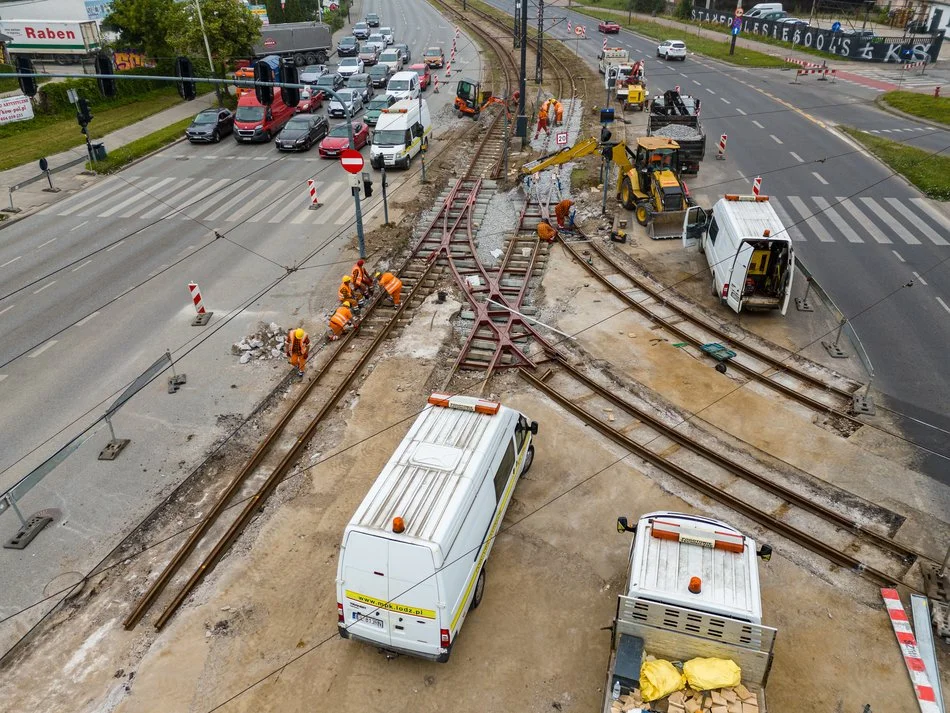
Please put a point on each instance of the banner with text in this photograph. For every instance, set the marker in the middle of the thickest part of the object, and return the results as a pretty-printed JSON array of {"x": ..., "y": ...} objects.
[{"x": 15, "y": 109}]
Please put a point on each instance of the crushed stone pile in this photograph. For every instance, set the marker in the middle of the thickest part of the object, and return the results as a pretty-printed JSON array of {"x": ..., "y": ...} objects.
[
  {"x": 267, "y": 342},
  {"x": 679, "y": 132}
]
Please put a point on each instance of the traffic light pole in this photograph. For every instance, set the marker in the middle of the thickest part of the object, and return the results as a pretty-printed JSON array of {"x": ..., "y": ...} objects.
[
  {"x": 361, "y": 240},
  {"x": 522, "y": 126}
]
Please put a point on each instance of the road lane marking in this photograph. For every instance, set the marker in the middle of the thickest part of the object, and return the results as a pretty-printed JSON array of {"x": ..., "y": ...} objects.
[
  {"x": 818, "y": 176},
  {"x": 921, "y": 280},
  {"x": 741, "y": 112},
  {"x": 82, "y": 321},
  {"x": 697, "y": 83},
  {"x": 78, "y": 226},
  {"x": 51, "y": 240},
  {"x": 840, "y": 223},
  {"x": 253, "y": 188},
  {"x": 899, "y": 257},
  {"x": 3, "y": 376},
  {"x": 262, "y": 197},
  {"x": 43, "y": 348},
  {"x": 943, "y": 304},
  {"x": 886, "y": 218},
  {"x": 810, "y": 219},
  {"x": 791, "y": 229},
  {"x": 10, "y": 262},
  {"x": 863, "y": 220},
  {"x": 80, "y": 267},
  {"x": 932, "y": 214},
  {"x": 917, "y": 222},
  {"x": 113, "y": 247},
  {"x": 741, "y": 174},
  {"x": 140, "y": 196},
  {"x": 796, "y": 157},
  {"x": 725, "y": 100},
  {"x": 757, "y": 124},
  {"x": 7, "y": 309},
  {"x": 776, "y": 139},
  {"x": 48, "y": 284},
  {"x": 710, "y": 90}
]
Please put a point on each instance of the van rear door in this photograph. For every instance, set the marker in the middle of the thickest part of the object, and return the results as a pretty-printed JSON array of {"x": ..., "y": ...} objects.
[
  {"x": 789, "y": 274},
  {"x": 366, "y": 587},
  {"x": 414, "y": 593},
  {"x": 737, "y": 276}
]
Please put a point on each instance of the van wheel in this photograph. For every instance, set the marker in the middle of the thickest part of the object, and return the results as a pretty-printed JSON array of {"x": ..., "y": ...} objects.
[
  {"x": 528, "y": 460},
  {"x": 479, "y": 590}
]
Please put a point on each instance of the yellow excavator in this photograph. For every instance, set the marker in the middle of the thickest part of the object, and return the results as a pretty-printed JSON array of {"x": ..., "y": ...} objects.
[{"x": 578, "y": 150}]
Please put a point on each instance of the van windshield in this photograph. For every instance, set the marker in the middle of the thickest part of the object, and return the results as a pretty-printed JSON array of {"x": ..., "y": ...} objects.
[
  {"x": 249, "y": 113},
  {"x": 399, "y": 85},
  {"x": 389, "y": 136}
]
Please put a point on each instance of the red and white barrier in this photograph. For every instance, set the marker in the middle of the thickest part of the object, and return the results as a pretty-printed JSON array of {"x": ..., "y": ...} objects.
[
  {"x": 196, "y": 297},
  {"x": 312, "y": 190},
  {"x": 570, "y": 29},
  {"x": 801, "y": 62},
  {"x": 448, "y": 70},
  {"x": 914, "y": 65},
  {"x": 457, "y": 32},
  {"x": 926, "y": 698},
  {"x": 757, "y": 186},
  {"x": 435, "y": 85},
  {"x": 721, "y": 151},
  {"x": 605, "y": 44}
]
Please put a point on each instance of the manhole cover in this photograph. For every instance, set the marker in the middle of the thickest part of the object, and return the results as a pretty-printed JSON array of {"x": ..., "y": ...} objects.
[{"x": 69, "y": 583}]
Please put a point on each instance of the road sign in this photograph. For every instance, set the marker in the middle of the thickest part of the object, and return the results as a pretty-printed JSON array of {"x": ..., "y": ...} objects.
[
  {"x": 579, "y": 30},
  {"x": 735, "y": 30},
  {"x": 737, "y": 24},
  {"x": 739, "y": 12},
  {"x": 561, "y": 138},
  {"x": 44, "y": 164},
  {"x": 352, "y": 161}
]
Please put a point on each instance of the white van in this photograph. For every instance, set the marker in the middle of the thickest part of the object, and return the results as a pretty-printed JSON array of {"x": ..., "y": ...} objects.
[
  {"x": 748, "y": 249},
  {"x": 402, "y": 131},
  {"x": 412, "y": 562},
  {"x": 404, "y": 85},
  {"x": 764, "y": 8}
]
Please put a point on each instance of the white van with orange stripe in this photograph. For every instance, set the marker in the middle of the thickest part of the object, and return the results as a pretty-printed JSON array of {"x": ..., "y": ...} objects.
[{"x": 412, "y": 562}]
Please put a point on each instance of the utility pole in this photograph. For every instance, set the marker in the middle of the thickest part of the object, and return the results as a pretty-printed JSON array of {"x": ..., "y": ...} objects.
[
  {"x": 517, "y": 31},
  {"x": 539, "y": 70},
  {"x": 736, "y": 23},
  {"x": 361, "y": 240},
  {"x": 521, "y": 129},
  {"x": 201, "y": 22}
]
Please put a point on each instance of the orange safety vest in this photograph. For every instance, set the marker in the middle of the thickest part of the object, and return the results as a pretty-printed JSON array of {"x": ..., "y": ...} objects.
[
  {"x": 361, "y": 276},
  {"x": 392, "y": 285},
  {"x": 543, "y": 114},
  {"x": 545, "y": 231},
  {"x": 346, "y": 293},
  {"x": 297, "y": 346},
  {"x": 562, "y": 209},
  {"x": 340, "y": 319}
]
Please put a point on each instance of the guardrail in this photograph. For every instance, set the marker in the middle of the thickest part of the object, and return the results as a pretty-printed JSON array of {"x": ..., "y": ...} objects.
[{"x": 45, "y": 174}]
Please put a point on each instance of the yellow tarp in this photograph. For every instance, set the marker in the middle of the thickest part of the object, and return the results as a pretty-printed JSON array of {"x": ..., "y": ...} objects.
[
  {"x": 659, "y": 679},
  {"x": 707, "y": 674}
]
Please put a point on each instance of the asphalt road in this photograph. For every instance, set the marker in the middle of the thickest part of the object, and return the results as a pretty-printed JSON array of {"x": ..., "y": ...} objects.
[
  {"x": 93, "y": 289},
  {"x": 863, "y": 233}
]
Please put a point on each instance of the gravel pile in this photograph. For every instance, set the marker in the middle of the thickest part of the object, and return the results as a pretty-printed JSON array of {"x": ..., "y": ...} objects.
[
  {"x": 266, "y": 343},
  {"x": 500, "y": 221},
  {"x": 679, "y": 132}
]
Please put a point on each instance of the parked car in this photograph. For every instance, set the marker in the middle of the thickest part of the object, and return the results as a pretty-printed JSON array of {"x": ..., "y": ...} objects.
[
  {"x": 376, "y": 40},
  {"x": 404, "y": 48},
  {"x": 425, "y": 76},
  {"x": 210, "y": 125},
  {"x": 369, "y": 54},
  {"x": 339, "y": 139},
  {"x": 372, "y": 19},
  {"x": 608, "y": 27},
  {"x": 348, "y": 66},
  {"x": 387, "y": 33},
  {"x": 311, "y": 73},
  {"x": 792, "y": 21},
  {"x": 376, "y": 106},
  {"x": 672, "y": 49},
  {"x": 393, "y": 58},
  {"x": 434, "y": 57},
  {"x": 348, "y": 47},
  {"x": 380, "y": 74},
  {"x": 302, "y": 132},
  {"x": 311, "y": 99},
  {"x": 362, "y": 84},
  {"x": 361, "y": 30},
  {"x": 345, "y": 100},
  {"x": 330, "y": 81},
  {"x": 774, "y": 16}
]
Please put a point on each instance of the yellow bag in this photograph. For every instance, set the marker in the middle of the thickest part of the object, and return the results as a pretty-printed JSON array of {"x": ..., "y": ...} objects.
[
  {"x": 659, "y": 679},
  {"x": 707, "y": 674}
]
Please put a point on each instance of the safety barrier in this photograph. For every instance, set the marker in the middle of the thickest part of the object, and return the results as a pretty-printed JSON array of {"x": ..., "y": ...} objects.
[{"x": 822, "y": 72}]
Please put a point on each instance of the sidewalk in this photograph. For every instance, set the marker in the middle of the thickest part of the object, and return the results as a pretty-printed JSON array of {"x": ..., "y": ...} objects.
[{"x": 32, "y": 197}]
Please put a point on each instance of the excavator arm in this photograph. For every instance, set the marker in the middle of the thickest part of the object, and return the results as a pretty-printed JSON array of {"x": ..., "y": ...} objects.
[{"x": 582, "y": 148}]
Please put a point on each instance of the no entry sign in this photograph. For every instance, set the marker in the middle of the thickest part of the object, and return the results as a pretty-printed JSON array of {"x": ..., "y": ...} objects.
[{"x": 352, "y": 161}]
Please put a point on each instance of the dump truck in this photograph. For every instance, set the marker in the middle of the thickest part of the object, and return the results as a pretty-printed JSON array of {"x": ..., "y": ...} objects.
[
  {"x": 692, "y": 590},
  {"x": 676, "y": 116},
  {"x": 304, "y": 42},
  {"x": 50, "y": 40}
]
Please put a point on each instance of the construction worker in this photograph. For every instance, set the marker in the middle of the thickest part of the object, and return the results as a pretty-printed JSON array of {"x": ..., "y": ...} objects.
[
  {"x": 297, "y": 347},
  {"x": 361, "y": 279},
  {"x": 546, "y": 231},
  {"x": 562, "y": 211},
  {"x": 542, "y": 121},
  {"x": 346, "y": 291},
  {"x": 392, "y": 285},
  {"x": 340, "y": 322},
  {"x": 558, "y": 111}
]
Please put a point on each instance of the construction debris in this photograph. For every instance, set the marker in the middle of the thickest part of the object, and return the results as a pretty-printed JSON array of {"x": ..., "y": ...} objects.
[{"x": 265, "y": 343}]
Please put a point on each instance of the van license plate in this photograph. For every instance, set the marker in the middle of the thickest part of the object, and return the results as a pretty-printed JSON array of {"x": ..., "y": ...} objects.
[{"x": 378, "y": 623}]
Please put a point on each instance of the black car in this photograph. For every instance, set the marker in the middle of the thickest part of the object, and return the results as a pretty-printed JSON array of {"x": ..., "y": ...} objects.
[
  {"x": 302, "y": 132},
  {"x": 362, "y": 84},
  {"x": 372, "y": 19},
  {"x": 332, "y": 82},
  {"x": 210, "y": 125},
  {"x": 380, "y": 74},
  {"x": 348, "y": 47}
]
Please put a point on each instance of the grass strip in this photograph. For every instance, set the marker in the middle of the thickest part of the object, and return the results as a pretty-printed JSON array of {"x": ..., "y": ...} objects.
[
  {"x": 929, "y": 172},
  {"x": 926, "y": 106},
  {"x": 700, "y": 45},
  {"x": 124, "y": 155}
]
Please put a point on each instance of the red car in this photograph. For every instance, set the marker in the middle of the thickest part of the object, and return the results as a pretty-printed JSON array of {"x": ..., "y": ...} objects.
[
  {"x": 310, "y": 101},
  {"x": 339, "y": 139},
  {"x": 425, "y": 76},
  {"x": 609, "y": 27}
]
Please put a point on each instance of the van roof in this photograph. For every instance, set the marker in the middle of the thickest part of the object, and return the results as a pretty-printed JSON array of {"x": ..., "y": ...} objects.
[
  {"x": 670, "y": 548},
  {"x": 405, "y": 75},
  {"x": 752, "y": 218},
  {"x": 430, "y": 480}
]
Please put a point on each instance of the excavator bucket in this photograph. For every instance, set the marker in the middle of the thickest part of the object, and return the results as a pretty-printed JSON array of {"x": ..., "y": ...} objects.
[{"x": 667, "y": 225}]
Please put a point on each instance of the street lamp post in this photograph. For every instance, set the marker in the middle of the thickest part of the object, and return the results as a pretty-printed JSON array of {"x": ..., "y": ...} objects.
[{"x": 201, "y": 22}]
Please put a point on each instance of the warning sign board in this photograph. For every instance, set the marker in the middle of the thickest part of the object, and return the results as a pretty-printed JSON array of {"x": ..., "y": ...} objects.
[{"x": 561, "y": 138}]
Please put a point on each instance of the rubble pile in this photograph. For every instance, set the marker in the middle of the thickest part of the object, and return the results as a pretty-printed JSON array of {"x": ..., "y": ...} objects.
[
  {"x": 678, "y": 132},
  {"x": 265, "y": 343},
  {"x": 735, "y": 699}
]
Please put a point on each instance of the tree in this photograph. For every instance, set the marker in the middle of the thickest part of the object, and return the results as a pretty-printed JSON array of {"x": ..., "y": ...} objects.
[
  {"x": 231, "y": 28},
  {"x": 145, "y": 24},
  {"x": 292, "y": 11},
  {"x": 684, "y": 9}
]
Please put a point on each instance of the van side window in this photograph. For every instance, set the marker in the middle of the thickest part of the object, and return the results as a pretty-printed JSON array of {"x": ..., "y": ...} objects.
[
  {"x": 504, "y": 471},
  {"x": 521, "y": 433},
  {"x": 713, "y": 230},
  {"x": 417, "y": 129},
  {"x": 408, "y": 138}
]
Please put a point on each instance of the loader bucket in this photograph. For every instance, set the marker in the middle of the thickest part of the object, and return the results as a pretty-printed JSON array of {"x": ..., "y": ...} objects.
[{"x": 667, "y": 225}]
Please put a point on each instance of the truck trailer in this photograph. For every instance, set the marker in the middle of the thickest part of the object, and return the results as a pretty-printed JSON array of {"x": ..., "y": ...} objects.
[
  {"x": 676, "y": 116},
  {"x": 304, "y": 42},
  {"x": 49, "y": 40}
]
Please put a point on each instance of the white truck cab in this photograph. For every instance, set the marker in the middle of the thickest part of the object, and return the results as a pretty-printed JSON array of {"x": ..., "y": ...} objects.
[
  {"x": 749, "y": 251},
  {"x": 402, "y": 131},
  {"x": 412, "y": 562},
  {"x": 611, "y": 56}
]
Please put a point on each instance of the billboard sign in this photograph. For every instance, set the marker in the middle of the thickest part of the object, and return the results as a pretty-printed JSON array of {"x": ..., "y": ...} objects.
[{"x": 15, "y": 109}]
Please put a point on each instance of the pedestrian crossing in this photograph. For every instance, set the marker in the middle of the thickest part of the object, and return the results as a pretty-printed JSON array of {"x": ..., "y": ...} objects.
[
  {"x": 885, "y": 221},
  {"x": 886, "y": 80},
  {"x": 211, "y": 201}
]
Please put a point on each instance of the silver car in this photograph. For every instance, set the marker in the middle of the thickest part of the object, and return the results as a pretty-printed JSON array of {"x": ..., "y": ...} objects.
[
  {"x": 311, "y": 73},
  {"x": 345, "y": 99},
  {"x": 387, "y": 33}
]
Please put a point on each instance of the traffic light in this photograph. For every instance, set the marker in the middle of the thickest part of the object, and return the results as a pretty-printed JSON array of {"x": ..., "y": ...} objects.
[
  {"x": 367, "y": 186},
  {"x": 83, "y": 115},
  {"x": 24, "y": 65},
  {"x": 288, "y": 74},
  {"x": 104, "y": 66},
  {"x": 186, "y": 87},
  {"x": 263, "y": 73},
  {"x": 604, "y": 134}
]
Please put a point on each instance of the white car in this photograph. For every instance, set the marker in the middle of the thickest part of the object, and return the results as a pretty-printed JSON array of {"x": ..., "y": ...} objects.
[
  {"x": 349, "y": 66},
  {"x": 672, "y": 49},
  {"x": 345, "y": 99},
  {"x": 378, "y": 40},
  {"x": 387, "y": 33}
]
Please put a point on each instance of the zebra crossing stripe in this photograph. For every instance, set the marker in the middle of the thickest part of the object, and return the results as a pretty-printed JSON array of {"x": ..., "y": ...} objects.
[
  {"x": 886, "y": 218},
  {"x": 165, "y": 209},
  {"x": 157, "y": 194},
  {"x": 140, "y": 196},
  {"x": 262, "y": 199},
  {"x": 117, "y": 186},
  {"x": 869, "y": 227},
  {"x": 241, "y": 196},
  {"x": 293, "y": 204},
  {"x": 934, "y": 215},
  {"x": 793, "y": 232},
  {"x": 840, "y": 223},
  {"x": 912, "y": 217},
  {"x": 210, "y": 202},
  {"x": 810, "y": 220},
  {"x": 125, "y": 196}
]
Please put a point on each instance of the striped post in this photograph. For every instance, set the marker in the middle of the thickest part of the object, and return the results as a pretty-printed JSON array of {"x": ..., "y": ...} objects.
[
  {"x": 457, "y": 32},
  {"x": 721, "y": 152},
  {"x": 569, "y": 28},
  {"x": 452, "y": 56},
  {"x": 757, "y": 186},
  {"x": 926, "y": 697},
  {"x": 448, "y": 70},
  {"x": 435, "y": 89},
  {"x": 196, "y": 297},
  {"x": 312, "y": 189},
  {"x": 605, "y": 44}
]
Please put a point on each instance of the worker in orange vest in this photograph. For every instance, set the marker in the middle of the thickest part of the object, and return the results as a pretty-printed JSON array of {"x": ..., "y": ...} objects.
[
  {"x": 546, "y": 231},
  {"x": 558, "y": 111},
  {"x": 392, "y": 285},
  {"x": 542, "y": 121},
  {"x": 346, "y": 292},
  {"x": 340, "y": 322},
  {"x": 362, "y": 279},
  {"x": 297, "y": 347},
  {"x": 562, "y": 210}
]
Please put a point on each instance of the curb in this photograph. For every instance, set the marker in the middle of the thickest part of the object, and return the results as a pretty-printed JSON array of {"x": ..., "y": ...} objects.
[
  {"x": 834, "y": 130},
  {"x": 884, "y": 106}
]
